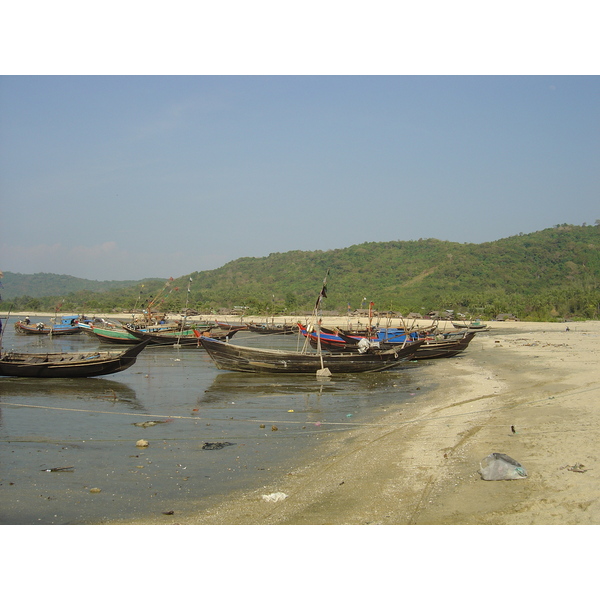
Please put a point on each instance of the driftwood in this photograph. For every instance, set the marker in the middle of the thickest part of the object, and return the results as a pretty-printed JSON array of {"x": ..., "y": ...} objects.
[{"x": 55, "y": 469}]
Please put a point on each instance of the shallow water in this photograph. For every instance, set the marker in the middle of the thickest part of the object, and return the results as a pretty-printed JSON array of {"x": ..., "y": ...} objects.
[{"x": 89, "y": 426}]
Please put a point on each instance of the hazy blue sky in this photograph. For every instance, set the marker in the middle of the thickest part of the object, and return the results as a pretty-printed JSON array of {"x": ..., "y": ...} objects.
[{"x": 124, "y": 177}]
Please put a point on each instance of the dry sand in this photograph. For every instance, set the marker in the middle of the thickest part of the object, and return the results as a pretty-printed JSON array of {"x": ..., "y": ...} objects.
[{"x": 419, "y": 464}]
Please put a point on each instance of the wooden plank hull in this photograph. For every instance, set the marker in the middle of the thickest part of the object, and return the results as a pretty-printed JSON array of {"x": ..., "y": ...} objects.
[
  {"x": 114, "y": 336},
  {"x": 430, "y": 348},
  {"x": 75, "y": 364},
  {"x": 231, "y": 357},
  {"x": 443, "y": 349},
  {"x": 273, "y": 329},
  {"x": 31, "y": 329},
  {"x": 188, "y": 337}
]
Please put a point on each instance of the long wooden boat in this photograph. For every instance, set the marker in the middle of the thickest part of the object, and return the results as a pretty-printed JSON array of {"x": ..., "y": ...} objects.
[
  {"x": 67, "y": 326},
  {"x": 114, "y": 335},
  {"x": 331, "y": 339},
  {"x": 274, "y": 329},
  {"x": 475, "y": 325},
  {"x": 69, "y": 364},
  {"x": 432, "y": 347},
  {"x": 187, "y": 337},
  {"x": 231, "y": 325},
  {"x": 232, "y": 357},
  {"x": 444, "y": 348}
]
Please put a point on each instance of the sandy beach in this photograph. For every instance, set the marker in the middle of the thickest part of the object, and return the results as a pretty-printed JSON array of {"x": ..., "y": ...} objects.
[{"x": 419, "y": 464}]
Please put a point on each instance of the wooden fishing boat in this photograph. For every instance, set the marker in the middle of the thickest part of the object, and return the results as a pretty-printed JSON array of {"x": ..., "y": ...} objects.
[
  {"x": 331, "y": 339},
  {"x": 67, "y": 326},
  {"x": 230, "y": 357},
  {"x": 273, "y": 329},
  {"x": 68, "y": 364},
  {"x": 477, "y": 325},
  {"x": 231, "y": 325},
  {"x": 114, "y": 335},
  {"x": 186, "y": 337},
  {"x": 335, "y": 339},
  {"x": 444, "y": 348},
  {"x": 433, "y": 347}
]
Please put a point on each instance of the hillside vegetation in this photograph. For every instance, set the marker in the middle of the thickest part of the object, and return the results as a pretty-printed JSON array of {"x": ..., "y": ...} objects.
[
  {"x": 550, "y": 274},
  {"x": 39, "y": 285}
]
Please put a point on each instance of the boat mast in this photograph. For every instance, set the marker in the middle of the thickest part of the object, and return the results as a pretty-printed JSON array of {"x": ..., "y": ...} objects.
[
  {"x": 322, "y": 294},
  {"x": 187, "y": 297}
]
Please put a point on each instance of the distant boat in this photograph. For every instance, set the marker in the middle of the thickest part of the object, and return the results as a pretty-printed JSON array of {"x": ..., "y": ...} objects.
[
  {"x": 273, "y": 329},
  {"x": 68, "y": 364},
  {"x": 231, "y": 325},
  {"x": 433, "y": 347},
  {"x": 187, "y": 337},
  {"x": 86, "y": 326},
  {"x": 444, "y": 348},
  {"x": 67, "y": 326},
  {"x": 331, "y": 340},
  {"x": 114, "y": 335},
  {"x": 472, "y": 325}
]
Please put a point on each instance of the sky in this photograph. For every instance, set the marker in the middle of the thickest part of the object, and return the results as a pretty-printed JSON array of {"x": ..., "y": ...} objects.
[{"x": 113, "y": 176}]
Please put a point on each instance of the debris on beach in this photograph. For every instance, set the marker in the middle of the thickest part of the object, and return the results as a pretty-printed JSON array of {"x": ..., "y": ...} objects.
[
  {"x": 56, "y": 469},
  {"x": 576, "y": 468},
  {"x": 215, "y": 445},
  {"x": 95, "y": 491},
  {"x": 149, "y": 423},
  {"x": 274, "y": 497},
  {"x": 498, "y": 467},
  {"x": 142, "y": 443}
]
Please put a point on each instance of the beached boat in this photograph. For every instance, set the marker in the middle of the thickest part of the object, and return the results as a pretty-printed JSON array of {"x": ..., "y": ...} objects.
[
  {"x": 475, "y": 325},
  {"x": 232, "y": 357},
  {"x": 66, "y": 326},
  {"x": 273, "y": 328},
  {"x": 331, "y": 340},
  {"x": 86, "y": 326},
  {"x": 433, "y": 347},
  {"x": 114, "y": 335},
  {"x": 68, "y": 364},
  {"x": 444, "y": 348},
  {"x": 186, "y": 337},
  {"x": 228, "y": 326}
]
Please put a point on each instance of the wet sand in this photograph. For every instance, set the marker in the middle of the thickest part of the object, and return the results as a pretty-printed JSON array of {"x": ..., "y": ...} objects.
[{"x": 419, "y": 464}]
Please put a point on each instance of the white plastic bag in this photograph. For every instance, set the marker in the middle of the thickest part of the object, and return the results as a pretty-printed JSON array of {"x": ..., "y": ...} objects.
[
  {"x": 274, "y": 497},
  {"x": 497, "y": 467}
]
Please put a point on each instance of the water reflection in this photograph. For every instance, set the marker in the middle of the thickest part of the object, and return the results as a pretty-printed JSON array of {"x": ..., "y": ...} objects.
[
  {"x": 266, "y": 422},
  {"x": 81, "y": 389},
  {"x": 254, "y": 384}
]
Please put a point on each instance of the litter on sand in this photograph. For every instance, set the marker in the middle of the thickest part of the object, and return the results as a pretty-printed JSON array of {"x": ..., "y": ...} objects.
[
  {"x": 498, "y": 466},
  {"x": 274, "y": 497}
]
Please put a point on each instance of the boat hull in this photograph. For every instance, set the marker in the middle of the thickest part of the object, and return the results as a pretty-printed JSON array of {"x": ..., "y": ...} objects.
[
  {"x": 114, "y": 336},
  {"x": 77, "y": 364},
  {"x": 273, "y": 329},
  {"x": 230, "y": 357},
  {"x": 430, "y": 349},
  {"x": 45, "y": 330}
]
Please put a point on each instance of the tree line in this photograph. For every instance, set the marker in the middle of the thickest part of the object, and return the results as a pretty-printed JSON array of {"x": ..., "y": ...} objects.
[{"x": 552, "y": 274}]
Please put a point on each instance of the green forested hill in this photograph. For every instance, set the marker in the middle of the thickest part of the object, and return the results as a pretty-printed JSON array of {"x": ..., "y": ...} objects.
[
  {"x": 39, "y": 285},
  {"x": 554, "y": 273}
]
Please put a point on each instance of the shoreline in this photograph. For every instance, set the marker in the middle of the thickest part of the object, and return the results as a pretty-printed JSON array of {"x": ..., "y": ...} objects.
[{"x": 419, "y": 463}]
